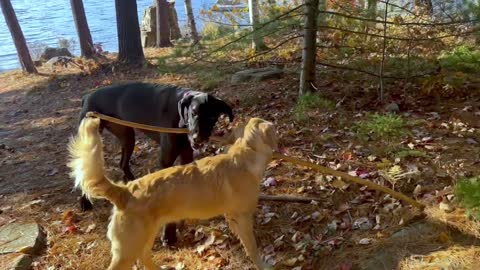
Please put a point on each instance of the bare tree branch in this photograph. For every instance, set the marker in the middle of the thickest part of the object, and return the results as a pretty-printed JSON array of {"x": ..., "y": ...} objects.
[
  {"x": 394, "y": 23},
  {"x": 373, "y": 74},
  {"x": 396, "y": 38},
  {"x": 241, "y": 37}
]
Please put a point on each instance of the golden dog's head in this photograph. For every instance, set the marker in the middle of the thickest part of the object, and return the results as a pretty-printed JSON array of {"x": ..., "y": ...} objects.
[{"x": 257, "y": 133}]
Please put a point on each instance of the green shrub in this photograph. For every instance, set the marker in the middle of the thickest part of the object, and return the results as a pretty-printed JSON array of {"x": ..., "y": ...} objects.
[
  {"x": 467, "y": 191},
  {"x": 308, "y": 102},
  {"x": 378, "y": 126},
  {"x": 461, "y": 59},
  {"x": 212, "y": 31},
  {"x": 407, "y": 153},
  {"x": 67, "y": 44}
]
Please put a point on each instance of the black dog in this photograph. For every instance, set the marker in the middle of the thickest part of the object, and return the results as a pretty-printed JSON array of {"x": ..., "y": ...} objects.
[{"x": 157, "y": 105}]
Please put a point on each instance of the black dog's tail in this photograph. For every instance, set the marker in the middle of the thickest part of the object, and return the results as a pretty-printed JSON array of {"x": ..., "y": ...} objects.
[{"x": 87, "y": 164}]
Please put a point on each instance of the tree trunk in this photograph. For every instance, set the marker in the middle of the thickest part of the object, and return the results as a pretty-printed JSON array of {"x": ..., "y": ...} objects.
[
  {"x": 257, "y": 39},
  {"x": 163, "y": 26},
  {"x": 84, "y": 36},
  {"x": 17, "y": 36},
  {"x": 307, "y": 76},
  {"x": 173, "y": 21},
  {"x": 371, "y": 14},
  {"x": 191, "y": 22},
  {"x": 129, "y": 44},
  {"x": 423, "y": 7},
  {"x": 372, "y": 9}
]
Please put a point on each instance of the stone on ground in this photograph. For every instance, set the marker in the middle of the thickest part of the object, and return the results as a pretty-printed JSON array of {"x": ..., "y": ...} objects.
[
  {"x": 18, "y": 242},
  {"x": 49, "y": 53},
  {"x": 257, "y": 74},
  {"x": 15, "y": 261}
]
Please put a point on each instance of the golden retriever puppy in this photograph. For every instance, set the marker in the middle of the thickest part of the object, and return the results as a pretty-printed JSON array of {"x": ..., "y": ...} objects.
[{"x": 227, "y": 184}]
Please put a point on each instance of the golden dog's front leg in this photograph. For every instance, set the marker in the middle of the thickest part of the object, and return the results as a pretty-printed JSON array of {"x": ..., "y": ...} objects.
[
  {"x": 121, "y": 263},
  {"x": 242, "y": 225}
]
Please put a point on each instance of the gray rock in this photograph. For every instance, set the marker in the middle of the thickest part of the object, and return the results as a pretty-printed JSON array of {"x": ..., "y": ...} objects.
[
  {"x": 388, "y": 257},
  {"x": 49, "y": 53},
  {"x": 257, "y": 74},
  {"x": 392, "y": 108},
  {"x": 26, "y": 238},
  {"x": 15, "y": 261},
  {"x": 148, "y": 34},
  {"x": 62, "y": 61},
  {"x": 363, "y": 224},
  {"x": 412, "y": 232}
]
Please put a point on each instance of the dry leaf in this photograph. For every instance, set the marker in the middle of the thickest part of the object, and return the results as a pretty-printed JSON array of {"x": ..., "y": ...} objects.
[
  {"x": 180, "y": 266},
  {"x": 365, "y": 241},
  {"x": 69, "y": 217},
  {"x": 339, "y": 184},
  {"x": 52, "y": 172},
  {"x": 417, "y": 190},
  {"x": 208, "y": 242},
  {"x": 90, "y": 228},
  {"x": 290, "y": 262}
]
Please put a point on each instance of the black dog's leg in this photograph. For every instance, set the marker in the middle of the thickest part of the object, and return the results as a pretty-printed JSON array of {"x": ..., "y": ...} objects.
[
  {"x": 85, "y": 204},
  {"x": 168, "y": 155},
  {"x": 186, "y": 156},
  {"x": 126, "y": 136}
]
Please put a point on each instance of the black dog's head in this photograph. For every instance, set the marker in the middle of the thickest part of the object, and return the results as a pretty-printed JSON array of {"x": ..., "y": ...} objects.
[{"x": 199, "y": 112}]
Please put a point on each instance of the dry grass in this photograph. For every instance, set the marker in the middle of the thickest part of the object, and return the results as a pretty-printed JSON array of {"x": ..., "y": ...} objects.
[{"x": 454, "y": 258}]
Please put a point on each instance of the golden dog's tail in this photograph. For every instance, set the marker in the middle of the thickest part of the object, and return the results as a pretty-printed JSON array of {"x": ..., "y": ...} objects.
[{"x": 87, "y": 165}]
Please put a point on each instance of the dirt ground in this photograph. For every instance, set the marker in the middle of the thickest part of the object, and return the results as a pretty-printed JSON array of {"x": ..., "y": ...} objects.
[{"x": 38, "y": 114}]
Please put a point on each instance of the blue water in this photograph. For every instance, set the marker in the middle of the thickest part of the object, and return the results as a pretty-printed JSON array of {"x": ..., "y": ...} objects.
[{"x": 48, "y": 20}]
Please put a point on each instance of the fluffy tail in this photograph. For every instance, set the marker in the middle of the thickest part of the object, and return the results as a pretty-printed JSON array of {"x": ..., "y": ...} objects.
[{"x": 87, "y": 165}]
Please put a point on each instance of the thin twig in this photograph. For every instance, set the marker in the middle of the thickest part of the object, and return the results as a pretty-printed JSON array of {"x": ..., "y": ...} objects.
[
  {"x": 266, "y": 51},
  {"x": 396, "y": 38},
  {"x": 394, "y": 23},
  {"x": 375, "y": 74},
  {"x": 240, "y": 38}
]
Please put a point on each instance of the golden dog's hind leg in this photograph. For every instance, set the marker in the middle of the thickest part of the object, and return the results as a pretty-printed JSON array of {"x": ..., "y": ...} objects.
[
  {"x": 147, "y": 256},
  {"x": 242, "y": 226},
  {"x": 128, "y": 236}
]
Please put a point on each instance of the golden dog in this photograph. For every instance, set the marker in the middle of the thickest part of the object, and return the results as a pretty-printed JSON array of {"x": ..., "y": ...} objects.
[{"x": 226, "y": 184}]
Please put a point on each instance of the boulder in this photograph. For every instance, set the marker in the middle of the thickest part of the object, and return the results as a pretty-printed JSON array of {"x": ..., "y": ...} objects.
[
  {"x": 62, "y": 61},
  {"x": 257, "y": 74},
  {"x": 49, "y": 53},
  {"x": 148, "y": 33},
  {"x": 18, "y": 242},
  {"x": 388, "y": 257},
  {"x": 15, "y": 261},
  {"x": 26, "y": 238}
]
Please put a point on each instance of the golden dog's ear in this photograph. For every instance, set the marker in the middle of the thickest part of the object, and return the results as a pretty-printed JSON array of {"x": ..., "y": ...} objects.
[
  {"x": 237, "y": 132},
  {"x": 269, "y": 134}
]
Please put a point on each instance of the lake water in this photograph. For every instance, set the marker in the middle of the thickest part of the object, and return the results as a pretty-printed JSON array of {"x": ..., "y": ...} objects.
[{"x": 48, "y": 20}]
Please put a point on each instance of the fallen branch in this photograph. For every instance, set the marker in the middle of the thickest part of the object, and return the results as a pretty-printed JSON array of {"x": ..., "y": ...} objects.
[{"x": 350, "y": 178}]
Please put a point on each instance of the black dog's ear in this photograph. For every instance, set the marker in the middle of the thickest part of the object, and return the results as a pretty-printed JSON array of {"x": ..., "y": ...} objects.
[
  {"x": 223, "y": 107},
  {"x": 182, "y": 104}
]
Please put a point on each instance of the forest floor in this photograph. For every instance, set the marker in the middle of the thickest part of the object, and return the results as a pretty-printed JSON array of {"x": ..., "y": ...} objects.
[{"x": 439, "y": 142}]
